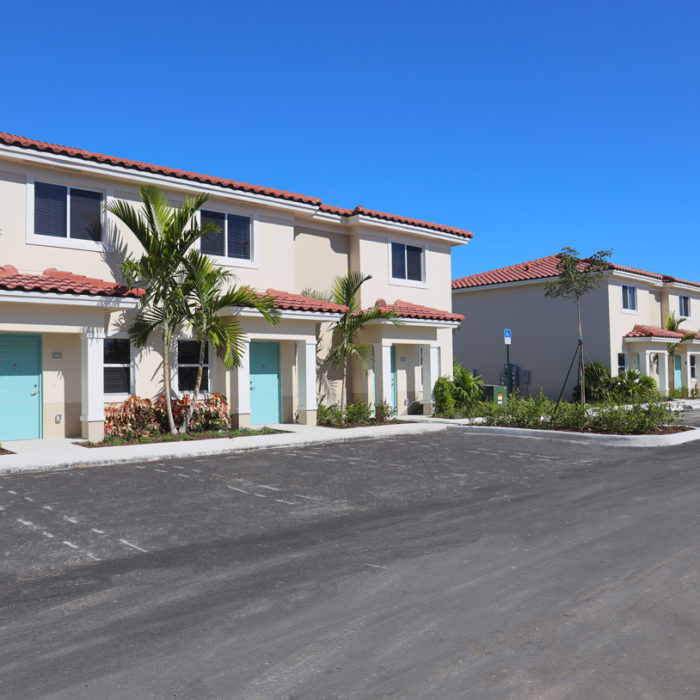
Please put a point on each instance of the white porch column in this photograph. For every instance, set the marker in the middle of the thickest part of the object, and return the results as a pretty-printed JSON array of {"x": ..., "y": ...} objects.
[
  {"x": 382, "y": 373},
  {"x": 92, "y": 408},
  {"x": 240, "y": 390},
  {"x": 663, "y": 372},
  {"x": 431, "y": 373},
  {"x": 306, "y": 371},
  {"x": 368, "y": 380},
  {"x": 644, "y": 363}
]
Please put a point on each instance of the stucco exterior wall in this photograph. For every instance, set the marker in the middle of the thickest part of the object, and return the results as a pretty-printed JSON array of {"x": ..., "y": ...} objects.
[
  {"x": 545, "y": 334},
  {"x": 319, "y": 257},
  {"x": 374, "y": 258}
]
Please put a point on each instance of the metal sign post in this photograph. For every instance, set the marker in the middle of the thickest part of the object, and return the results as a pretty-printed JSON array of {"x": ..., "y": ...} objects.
[{"x": 507, "y": 337}]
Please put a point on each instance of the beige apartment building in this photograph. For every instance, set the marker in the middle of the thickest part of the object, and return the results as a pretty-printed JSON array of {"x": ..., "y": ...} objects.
[
  {"x": 64, "y": 313},
  {"x": 623, "y": 324}
]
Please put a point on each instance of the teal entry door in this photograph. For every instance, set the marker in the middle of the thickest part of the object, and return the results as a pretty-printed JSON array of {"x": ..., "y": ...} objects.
[
  {"x": 20, "y": 387},
  {"x": 394, "y": 399},
  {"x": 265, "y": 384},
  {"x": 677, "y": 379}
]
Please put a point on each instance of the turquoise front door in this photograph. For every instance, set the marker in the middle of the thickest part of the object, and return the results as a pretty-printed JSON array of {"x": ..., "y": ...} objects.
[
  {"x": 20, "y": 387},
  {"x": 394, "y": 399},
  {"x": 677, "y": 379},
  {"x": 265, "y": 398}
]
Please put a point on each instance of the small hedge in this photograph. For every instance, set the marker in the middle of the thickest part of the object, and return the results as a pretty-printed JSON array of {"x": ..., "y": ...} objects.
[
  {"x": 357, "y": 413},
  {"x": 639, "y": 418},
  {"x": 137, "y": 417},
  {"x": 459, "y": 397}
]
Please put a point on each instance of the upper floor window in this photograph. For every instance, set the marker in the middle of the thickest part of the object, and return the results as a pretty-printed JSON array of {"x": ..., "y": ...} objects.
[
  {"x": 188, "y": 365},
  {"x": 232, "y": 240},
  {"x": 117, "y": 366},
  {"x": 67, "y": 212},
  {"x": 407, "y": 262},
  {"x": 629, "y": 297},
  {"x": 684, "y": 304}
]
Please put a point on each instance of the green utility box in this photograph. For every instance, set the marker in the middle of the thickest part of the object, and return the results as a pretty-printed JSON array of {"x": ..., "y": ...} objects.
[{"x": 495, "y": 393}]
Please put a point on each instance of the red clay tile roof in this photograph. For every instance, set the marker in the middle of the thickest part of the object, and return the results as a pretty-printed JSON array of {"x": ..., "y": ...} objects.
[
  {"x": 643, "y": 331},
  {"x": 339, "y": 211},
  {"x": 22, "y": 142},
  {"x": 405, "y": 309},
  {"x": 542, "y": 268},
  {"x": 296, "y": 302},
  {"x": 62, "y": 282}
]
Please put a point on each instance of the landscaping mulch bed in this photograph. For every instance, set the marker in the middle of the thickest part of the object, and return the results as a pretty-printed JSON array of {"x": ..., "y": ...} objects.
[
  {"x": 187, "y": 437},
  {"x": 3, "y": 451},
  {"x": 365, "y": 425}
]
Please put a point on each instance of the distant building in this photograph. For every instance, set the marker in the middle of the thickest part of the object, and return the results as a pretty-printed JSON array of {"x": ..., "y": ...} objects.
[{"x": 623, "y": 326}]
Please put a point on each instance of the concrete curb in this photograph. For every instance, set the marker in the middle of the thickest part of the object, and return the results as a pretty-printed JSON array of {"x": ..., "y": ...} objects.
[
  {"x": 88, "y": 457},
  {"x": 584, "y": 438}
]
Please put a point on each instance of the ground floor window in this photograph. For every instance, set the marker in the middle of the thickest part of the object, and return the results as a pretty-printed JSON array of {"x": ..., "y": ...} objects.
[
  {"x": 621, "y": 362},
  {"x": 691, "y": 362},
  {"x": 117, "y": 366},
  {"x": 188, "y": 364}
]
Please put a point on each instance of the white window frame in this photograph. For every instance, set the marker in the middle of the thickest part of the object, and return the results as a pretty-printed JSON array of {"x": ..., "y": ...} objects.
[
  {"x": 225, "y": 260},
  {"x": 401, "y": 282},
  {"x": 624, "y": 367},
  {"x": 635, "y": 308},
  {"x": 116, "y": 398},
  {"x": 209, "y": 365},
  {"x": 33, "y": 238},
  {"x": 692, "y": 366},
  {"x": 684, "y": 300}
]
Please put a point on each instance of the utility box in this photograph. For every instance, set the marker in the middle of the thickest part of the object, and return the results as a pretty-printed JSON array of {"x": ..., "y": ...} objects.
[
  {"x": 514, "y": 377},
  {"x": 495, "y": 393}
]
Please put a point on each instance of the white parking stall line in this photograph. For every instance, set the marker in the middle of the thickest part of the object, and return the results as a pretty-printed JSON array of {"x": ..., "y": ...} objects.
[
  {"x": 233, "y": 488},
  {"x": 70, "y": 544},
  {"x": 271, "y": 488},
  {"x": 133, "y": 546}
]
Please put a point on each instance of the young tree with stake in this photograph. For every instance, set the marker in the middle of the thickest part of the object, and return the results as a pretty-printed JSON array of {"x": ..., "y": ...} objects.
[{"x": 578, "y": 277}]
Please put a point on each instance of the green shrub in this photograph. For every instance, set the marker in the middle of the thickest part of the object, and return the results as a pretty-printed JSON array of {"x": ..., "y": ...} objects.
[
  {"x": 444, "y": 398},
  {"x": 329, "y": 415},
  {"x": 359, "y": 412},
  {"x": 610, "y": 417},
  {"x": 459, "y": 397}
]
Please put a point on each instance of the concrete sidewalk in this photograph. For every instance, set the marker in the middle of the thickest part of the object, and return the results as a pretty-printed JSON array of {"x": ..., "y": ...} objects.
[{"x": 40, "y": 455}]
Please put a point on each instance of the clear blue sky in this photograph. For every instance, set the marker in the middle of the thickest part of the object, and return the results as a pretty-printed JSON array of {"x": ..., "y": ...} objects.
[{"x": 533, "y": 124}]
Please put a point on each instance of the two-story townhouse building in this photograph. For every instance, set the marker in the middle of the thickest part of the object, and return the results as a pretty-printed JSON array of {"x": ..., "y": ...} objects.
[
  {"x": 64, "y": 312},
  {"x": 623, "y": 323}
]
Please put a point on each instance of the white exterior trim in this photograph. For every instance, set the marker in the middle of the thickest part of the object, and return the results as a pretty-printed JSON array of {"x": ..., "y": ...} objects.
[
  {"x": 319, "y": 316},
  {"x": 68, "y": 299}
]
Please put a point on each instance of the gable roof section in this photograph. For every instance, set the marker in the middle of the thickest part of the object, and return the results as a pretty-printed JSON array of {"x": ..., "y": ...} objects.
[
  {"x": 405, "y": 309},
  {"x": 62, "y": 282},
  {"x": 644, "y": 331},
  {"x": 543, "y": 268},
  {"x": 22, "y": 142}
]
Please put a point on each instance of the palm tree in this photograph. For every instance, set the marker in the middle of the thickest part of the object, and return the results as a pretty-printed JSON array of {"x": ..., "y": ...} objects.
[
  {"x": 673, "y": 322},
  {"x": 345, "y": 346},
  {"x": 166, "y": 235},
  {"x": 207, "y": 297}
]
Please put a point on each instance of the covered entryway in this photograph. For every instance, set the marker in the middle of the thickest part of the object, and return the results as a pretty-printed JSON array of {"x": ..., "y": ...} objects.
[
  {"x": 265, "y": 383},
  {"x": 20, "y": 387}
]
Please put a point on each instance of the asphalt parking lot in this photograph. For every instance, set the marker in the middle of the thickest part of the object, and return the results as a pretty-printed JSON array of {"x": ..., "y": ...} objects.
[{"x": 447, "y": 566}]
